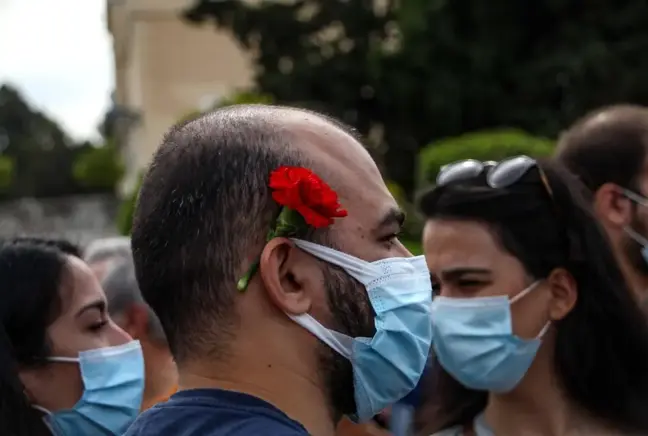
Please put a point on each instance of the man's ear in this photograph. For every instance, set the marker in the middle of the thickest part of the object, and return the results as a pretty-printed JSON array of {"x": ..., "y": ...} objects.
[
  {"x": 289, "y": 276},
  {"x": 134, "y": 320},
  {"x": 611, "y": 206}
]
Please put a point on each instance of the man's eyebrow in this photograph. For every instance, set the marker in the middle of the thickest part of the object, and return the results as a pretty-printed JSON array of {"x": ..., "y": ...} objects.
[{"x": 393, "y": 216}]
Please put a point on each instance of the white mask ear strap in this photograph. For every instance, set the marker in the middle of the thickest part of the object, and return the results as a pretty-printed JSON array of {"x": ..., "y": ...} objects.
[
  {"x": 639, "y": 199},
  {"x": 41, "y": 409},
  {"x": 339, "y": 342},
  {"x": 361, "y": 270},
  {"x": 544, "y": 330},
  {"x": 636, "y": 236},
  {"x": 525, "y": 292}
]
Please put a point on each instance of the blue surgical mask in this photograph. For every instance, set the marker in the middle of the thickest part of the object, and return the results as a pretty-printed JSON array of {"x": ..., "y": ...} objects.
[
  {"x": 113, "y": 380},
  {"x": 475, "y": 344},
  {"x": 388, "y": 366}
]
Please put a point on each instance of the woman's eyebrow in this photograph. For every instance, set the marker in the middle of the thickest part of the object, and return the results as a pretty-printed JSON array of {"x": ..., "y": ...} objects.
[{"x": 99, "y": 305}]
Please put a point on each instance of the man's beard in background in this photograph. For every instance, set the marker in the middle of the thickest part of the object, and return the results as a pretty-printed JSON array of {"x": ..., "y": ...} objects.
[
  {"x": 632, "y": 248},
  {"x": 353, "y": 315}
]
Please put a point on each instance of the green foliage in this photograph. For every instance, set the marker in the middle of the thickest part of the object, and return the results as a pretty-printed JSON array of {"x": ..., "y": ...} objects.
[
  {"x": 411, "y": 232},
  {"x": 413, "y": 245},
  {"x": 486, "y": 145},
  {"x": 99, "y": 168},
  {"x": 42, "y": 155},
  {"x": 246, "y": 97},
  {"x": 428, "y": 69},
  {"x": 6, "y": 172},
  {"x": 124, "y": 220}
]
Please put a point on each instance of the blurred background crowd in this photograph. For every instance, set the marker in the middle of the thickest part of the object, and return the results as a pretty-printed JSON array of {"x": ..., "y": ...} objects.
[{"x": 426, "y": 82}]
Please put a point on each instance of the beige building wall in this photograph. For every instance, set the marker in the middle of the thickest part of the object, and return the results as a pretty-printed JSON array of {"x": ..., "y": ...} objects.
[{"x": 166, "y": 68}]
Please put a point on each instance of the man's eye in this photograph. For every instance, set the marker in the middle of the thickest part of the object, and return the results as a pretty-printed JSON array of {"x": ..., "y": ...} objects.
[{"x": 390, "y": 239}]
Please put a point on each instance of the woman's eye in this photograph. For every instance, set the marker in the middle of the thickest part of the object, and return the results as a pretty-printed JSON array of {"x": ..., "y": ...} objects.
[{"x": 98, "y": 325}]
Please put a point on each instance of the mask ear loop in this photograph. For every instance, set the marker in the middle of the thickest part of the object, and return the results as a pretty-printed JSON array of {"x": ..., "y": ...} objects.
[
  {"x": 45, "y": 419},
  {"x": 525, "y": 292},
  {"x": 41, "y": 409},
  {"x": 361, "y": 270},
  {"x": 521, "y": 295},
  {"x": 544, "y": 330},
  {"x": 339, "y": 342},
  {"x": 636, "y": 236}
]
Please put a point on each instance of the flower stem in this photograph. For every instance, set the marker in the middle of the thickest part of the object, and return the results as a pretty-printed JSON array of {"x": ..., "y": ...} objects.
[{"x": 245, "y": 280}]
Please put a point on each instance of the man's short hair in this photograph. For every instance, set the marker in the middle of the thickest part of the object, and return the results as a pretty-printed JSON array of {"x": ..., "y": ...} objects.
[
  {"x": 608, "y": 145},
  {"x": 107, "y": 248},
  {"x": 202, "y": 217},
  {"x": 122, "y": 292}
]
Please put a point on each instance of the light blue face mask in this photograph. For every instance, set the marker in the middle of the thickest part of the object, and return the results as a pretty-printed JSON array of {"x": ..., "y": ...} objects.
[
  {"x": 388, "y": 366},
  {"x": 474, "y": 341},
  {"x": 113, "y": 380}
]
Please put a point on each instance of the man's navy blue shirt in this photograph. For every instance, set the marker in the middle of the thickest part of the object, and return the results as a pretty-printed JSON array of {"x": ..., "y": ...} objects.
[{"x": 214, "y": 412}]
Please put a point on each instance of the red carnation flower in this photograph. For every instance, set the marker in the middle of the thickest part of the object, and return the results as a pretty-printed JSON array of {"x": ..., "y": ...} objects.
[{"x": 301, "y": 190}]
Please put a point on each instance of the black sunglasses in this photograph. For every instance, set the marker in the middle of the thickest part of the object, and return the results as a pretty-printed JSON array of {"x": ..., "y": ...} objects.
[{"x": 498, "y": 174}]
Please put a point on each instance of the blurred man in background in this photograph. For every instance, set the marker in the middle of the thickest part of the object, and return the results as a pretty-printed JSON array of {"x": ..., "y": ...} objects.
[
  {"x": 608, "y": 150},
  {"x": 102, "y": 254},
  {"x": 128, "y": 309}
]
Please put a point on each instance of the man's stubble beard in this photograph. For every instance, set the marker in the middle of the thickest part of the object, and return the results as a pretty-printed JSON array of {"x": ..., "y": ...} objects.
[{"x": 353, "y": 315}]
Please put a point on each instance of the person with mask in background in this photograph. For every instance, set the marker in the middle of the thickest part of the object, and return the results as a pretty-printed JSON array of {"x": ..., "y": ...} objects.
[
  {"x": 130, "y": 312},
  {"x": 266, "y": 241},
  {"x": 608, "y": 150},
  {"x": 66, "y": 369},
  {"x": 102, "y": 254},
  {"x": 535, "y": 331}
]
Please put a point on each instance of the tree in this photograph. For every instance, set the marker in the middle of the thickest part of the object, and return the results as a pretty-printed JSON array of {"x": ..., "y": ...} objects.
[
  {"x": 6, "y": 173},
  {"x": 99, "y": 168},
  {"x": 40, "y": 152},
  {"x": 493, "y": 145},
  {"x": 127, "y": 209},
  {"x": 420, "y": 70}
]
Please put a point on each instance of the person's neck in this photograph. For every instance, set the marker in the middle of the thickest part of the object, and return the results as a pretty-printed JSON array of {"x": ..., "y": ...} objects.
[
  {"x": 161, "y": 374},
  {"x": 267, "y": 378},
  {"x": 638, "y": 283},
  {"x": 538, "y": 406}
]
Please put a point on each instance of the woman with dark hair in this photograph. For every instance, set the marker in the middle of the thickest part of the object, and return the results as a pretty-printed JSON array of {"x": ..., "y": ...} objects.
[
  {"x": 65, "y": 367},
  {"x": 535, "y": 330}
]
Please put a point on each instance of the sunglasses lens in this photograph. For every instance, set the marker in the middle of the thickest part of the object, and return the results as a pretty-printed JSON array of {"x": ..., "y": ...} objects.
[
  {"x": 509, "y": 171},
  {"x": 463, "y": 170}
]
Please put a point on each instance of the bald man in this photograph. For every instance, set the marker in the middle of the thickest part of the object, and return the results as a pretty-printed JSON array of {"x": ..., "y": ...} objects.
[
  {"x": 608, "y": 150},
  {"x": 335, "y": 322}
]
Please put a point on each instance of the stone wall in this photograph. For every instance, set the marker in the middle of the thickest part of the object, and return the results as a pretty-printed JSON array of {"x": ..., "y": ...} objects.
[{"x": 79, "y": 218}]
